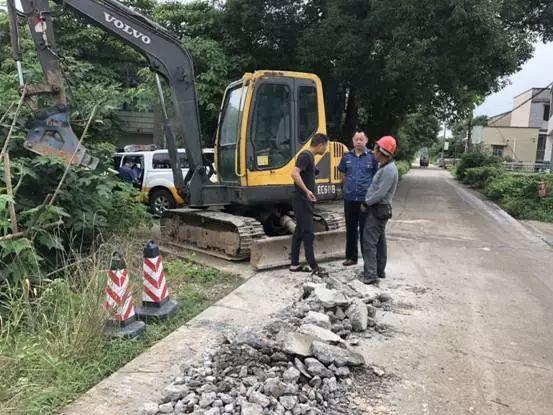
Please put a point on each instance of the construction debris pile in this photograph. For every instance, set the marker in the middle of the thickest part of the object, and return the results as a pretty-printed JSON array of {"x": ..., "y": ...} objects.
[{"x": 300, "y": 364}]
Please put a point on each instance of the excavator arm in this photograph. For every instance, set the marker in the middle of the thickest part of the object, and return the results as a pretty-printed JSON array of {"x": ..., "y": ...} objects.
[{"x": 51, "y": 132}]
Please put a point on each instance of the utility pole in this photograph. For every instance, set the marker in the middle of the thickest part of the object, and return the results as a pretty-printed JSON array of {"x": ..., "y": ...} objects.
[
  {"x": 468, "y": 144},
  {"x": 443, "y": 144}
]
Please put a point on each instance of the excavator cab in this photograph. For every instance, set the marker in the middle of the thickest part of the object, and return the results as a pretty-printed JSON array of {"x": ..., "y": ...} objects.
[{"x": 267, "y": 119}]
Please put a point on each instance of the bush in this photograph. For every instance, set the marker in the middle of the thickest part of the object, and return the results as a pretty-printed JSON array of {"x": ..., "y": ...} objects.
[
  {"x": 92, "y": 204},
  {"x": 479, "y": 176},
  {"x": 403, "y": 167},
  {"x": 518, "y": 195},
  {"x": 496, "y": 189},
  {"x": 475, "y": 159}
]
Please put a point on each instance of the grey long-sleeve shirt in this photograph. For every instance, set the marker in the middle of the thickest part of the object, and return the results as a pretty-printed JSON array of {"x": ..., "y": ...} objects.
[{"x": 383, "y": 186}]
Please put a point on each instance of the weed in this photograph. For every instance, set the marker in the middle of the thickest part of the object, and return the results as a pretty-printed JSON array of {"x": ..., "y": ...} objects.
[{"x": 52, "y": 346}]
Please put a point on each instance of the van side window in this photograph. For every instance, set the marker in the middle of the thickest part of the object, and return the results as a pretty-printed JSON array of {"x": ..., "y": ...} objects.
[{"x": 161, "y": 161}]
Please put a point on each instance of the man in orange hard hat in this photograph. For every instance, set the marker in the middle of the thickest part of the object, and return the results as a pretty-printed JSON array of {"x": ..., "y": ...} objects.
[{"x": 378, "y": 207}]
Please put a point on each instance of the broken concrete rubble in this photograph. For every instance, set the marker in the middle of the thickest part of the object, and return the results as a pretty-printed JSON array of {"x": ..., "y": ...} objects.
[{"x": 296, "y": 365}]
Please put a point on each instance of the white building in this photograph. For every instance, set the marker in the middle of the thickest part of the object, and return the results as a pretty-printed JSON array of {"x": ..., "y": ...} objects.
[
  {"x": 532, "y": 109},
  {"x": 549, "y": 144}
]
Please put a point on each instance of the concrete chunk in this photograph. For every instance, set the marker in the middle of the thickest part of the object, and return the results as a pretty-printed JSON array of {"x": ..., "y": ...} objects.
[
  {"x": 358, "y": 315},
  {"x": 368, "y": 292},
  {"x": 295, "y": 343},
  {"x": 328, "y": 354},
  {"x": 330, "y": 298},
  {"x": 318, "y": 319},
  {"x": 321, "y": 334}
]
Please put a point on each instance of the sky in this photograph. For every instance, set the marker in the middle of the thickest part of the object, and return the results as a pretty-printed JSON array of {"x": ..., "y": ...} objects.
[{"x": 537, "y": 72}]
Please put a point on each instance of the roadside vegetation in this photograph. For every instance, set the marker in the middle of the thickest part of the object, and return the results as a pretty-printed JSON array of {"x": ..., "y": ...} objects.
[
  {"x": 403, "y": 167},
  {"x": 52, "y": 347},
  {"x": 517, "y": 193}
]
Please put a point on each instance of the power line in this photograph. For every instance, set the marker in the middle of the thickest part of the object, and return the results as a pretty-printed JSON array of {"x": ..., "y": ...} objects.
[{"x": 522, "y": 103}]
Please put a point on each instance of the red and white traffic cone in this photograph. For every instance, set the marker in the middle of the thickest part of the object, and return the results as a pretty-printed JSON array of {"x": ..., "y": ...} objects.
[
  {"x": 119, "y": 301},
  {"x": 156, "y": 303}
]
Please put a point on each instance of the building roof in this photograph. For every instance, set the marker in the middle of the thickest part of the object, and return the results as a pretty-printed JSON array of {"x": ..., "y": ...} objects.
[{"x": 545, "y": 88}]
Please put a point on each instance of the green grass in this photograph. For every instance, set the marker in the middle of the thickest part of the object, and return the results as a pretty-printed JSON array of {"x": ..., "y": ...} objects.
[{"x": 51, "y": 343}]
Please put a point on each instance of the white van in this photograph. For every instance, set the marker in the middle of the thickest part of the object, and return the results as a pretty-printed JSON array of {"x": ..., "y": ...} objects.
[{"x": 155, "y": 177}]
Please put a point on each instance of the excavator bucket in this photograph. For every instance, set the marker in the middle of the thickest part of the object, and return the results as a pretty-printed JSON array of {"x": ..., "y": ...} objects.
[
  {"x": 51, "y": 134},
  {"x": 274, "y": 252}
]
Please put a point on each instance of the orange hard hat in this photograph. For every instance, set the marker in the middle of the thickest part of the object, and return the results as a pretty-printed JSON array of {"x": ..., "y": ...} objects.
[{"x": 387, "y": 145}]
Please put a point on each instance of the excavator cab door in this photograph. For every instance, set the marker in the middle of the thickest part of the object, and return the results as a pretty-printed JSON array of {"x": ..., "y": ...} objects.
[{"x": 228, "y": 137}]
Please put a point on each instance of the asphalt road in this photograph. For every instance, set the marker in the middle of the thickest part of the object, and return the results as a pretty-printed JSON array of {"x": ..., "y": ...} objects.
[{"x": 472, "y": 323}]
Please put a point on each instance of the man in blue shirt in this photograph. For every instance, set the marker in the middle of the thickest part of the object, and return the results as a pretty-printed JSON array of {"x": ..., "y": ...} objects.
[{"x": 359, "y": 166}]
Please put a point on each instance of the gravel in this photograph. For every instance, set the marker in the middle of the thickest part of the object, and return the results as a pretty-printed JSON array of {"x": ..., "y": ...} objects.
[{"x": 298, "y": 365}]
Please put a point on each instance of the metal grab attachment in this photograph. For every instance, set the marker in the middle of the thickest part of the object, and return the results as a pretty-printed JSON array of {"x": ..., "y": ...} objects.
[{"x": 51, "y": 134}]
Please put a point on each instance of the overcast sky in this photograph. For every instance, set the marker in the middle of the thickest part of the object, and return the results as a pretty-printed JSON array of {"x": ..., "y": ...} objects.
[{"x": 537, "y": 72}]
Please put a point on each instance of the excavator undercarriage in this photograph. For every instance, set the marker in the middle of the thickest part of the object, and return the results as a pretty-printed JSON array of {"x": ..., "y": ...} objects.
[{"x": 233, "y": 237}]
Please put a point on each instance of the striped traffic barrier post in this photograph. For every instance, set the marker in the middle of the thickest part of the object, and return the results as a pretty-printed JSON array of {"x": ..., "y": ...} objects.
[
  {"x": 119, "y": 302},
  {"x": 156, "y": 303}
]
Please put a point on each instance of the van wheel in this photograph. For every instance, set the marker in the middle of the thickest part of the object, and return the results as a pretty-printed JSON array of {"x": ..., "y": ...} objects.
[{"x": 161, "y": 200}]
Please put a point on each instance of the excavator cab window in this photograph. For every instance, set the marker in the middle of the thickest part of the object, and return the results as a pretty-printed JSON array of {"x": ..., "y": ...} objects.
[
  {"x": 272, "y": 126},
  {"x": 308, "y": 117}
]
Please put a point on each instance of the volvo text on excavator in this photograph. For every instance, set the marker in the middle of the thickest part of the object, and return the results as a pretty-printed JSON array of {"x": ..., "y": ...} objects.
[{"x": 266, "y": 119}]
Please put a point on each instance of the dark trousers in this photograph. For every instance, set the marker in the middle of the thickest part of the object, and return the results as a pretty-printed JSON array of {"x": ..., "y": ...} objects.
[
  {"x": 355, "y": 222},
  {"x": 374, "y": 246},
  {"x": 303, "y": 209}
]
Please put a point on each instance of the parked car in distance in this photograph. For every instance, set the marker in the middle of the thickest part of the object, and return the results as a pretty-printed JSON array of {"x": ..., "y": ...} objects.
[{"x": 155, "y": 177}]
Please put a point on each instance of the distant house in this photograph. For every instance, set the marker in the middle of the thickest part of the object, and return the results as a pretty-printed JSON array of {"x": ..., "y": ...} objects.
[
  {"x": 532, "y": 108},
  {"x": 524, "y": 134},
  {"x": 516, "y": 143},
  {"x": 137, "y": 127}
]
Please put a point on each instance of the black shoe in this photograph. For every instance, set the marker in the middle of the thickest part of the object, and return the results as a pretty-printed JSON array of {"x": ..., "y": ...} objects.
[
  {"x": 299, "y": 268},
  {"x": 320, "y": 272},
  {"x": 367, "y": 280},
  {"x": 349, "y": 262},
  {"x": 382, "y": 276}
]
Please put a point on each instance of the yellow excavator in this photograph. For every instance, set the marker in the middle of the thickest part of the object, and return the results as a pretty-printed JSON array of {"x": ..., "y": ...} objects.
[{"x": 266, "y": 119}]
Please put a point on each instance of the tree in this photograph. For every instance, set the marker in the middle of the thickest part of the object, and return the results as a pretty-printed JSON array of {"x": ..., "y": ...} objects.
[
  {"x": 418, "y": 131},
  {"x": 397, "y": 55}
]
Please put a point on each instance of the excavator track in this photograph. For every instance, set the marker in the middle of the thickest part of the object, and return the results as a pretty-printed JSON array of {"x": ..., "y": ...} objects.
[
  {"x": 332, "y": 221},
  {"x": 216, "y": 233}
]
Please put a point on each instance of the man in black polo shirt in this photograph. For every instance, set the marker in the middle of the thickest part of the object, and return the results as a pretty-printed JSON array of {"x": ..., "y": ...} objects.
[{"x": 303, "y": 203}]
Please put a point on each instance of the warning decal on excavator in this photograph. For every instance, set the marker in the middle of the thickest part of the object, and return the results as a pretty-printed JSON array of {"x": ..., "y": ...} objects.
[{"x": 262, "y": 160}]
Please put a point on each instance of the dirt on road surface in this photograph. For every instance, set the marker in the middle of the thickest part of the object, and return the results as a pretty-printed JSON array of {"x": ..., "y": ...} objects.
[{"x": 473, "y": 315}]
